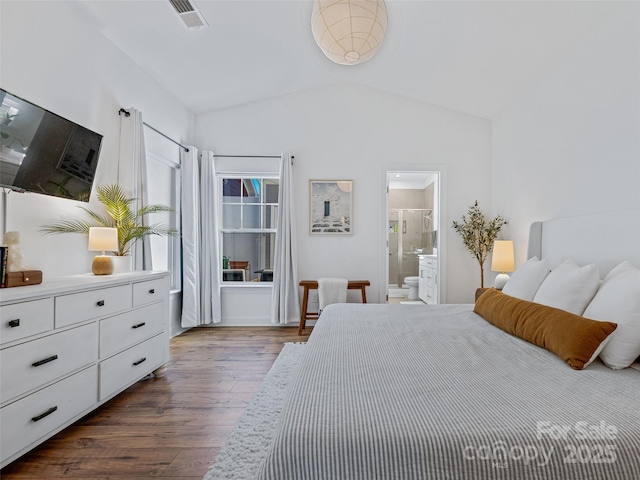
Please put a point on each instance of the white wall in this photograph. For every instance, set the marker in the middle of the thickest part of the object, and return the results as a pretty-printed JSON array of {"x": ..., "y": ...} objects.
[
  {"x": 354, "y": 132},
  {"x": 571, "y": 144},
  {"x": 52, "y": 57}
]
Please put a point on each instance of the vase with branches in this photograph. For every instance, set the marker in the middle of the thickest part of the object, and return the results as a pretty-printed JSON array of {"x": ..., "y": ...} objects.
[
  {"x": 478, "y": 234},
  {"x": 119, "y": 215}
]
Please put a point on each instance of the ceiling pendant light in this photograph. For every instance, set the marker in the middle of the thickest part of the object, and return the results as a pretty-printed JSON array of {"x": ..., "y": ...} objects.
[{"x": 349, "y": 31}]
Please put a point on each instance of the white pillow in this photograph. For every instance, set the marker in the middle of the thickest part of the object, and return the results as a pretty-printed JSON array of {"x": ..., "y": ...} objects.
[
  {"x": 618, "y": 301},
  {"x": 527, "y": 278},
  {"x": 569, "y": 287}
]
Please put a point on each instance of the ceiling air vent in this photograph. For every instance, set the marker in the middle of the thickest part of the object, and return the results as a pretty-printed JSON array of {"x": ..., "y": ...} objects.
[{"x": 189, "y": 14}]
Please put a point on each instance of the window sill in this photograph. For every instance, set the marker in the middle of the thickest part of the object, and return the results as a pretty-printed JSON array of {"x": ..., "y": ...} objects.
[{"x": 246, "y": 285}]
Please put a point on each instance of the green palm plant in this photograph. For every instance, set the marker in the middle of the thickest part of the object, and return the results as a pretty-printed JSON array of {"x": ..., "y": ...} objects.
[{"x": 118, "y": 215}]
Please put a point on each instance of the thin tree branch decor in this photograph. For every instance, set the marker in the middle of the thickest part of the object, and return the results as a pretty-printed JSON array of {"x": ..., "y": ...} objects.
[
  {"x": 478, "y": 234},
  {"x": 118, "y": 215}
]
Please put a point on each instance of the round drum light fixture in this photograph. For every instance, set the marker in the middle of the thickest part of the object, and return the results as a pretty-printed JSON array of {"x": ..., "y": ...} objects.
[{"x": 349, "y": 31}]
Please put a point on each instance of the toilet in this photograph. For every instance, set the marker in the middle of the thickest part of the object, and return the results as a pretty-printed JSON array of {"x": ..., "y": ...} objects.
[{"x": 412, "y": 283}]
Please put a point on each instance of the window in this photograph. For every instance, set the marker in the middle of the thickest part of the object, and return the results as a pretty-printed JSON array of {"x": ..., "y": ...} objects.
[
  {"x": 164, "y": 188},
  {"x": 248, "y": 230}
]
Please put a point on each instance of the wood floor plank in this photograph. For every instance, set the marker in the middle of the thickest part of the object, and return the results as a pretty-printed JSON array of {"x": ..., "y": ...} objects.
[
  {"x": 113, "y": 436},
  {"x": 191, "y": 461},
  {"x": 172, "y": 427},
  {"x": 72, "y": 463}
]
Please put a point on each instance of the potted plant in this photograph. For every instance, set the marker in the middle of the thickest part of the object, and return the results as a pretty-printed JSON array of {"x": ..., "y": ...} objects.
[
  {"x": 119, "y": 215},
  {"x": 478, "y": 234}
]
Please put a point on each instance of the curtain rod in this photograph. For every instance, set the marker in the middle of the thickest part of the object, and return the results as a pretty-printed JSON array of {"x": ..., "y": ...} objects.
[
  {"x": 126, "y": 114},
  {"x": 253, "y": 156},
  {"x": 248, "y": 156}
]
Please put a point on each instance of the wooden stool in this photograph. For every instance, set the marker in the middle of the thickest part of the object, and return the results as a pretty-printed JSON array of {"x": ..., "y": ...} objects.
[{"x": 313, "y": 285}]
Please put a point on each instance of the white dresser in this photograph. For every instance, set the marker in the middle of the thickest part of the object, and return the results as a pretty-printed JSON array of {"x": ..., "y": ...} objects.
[{"x": 72, "y": 343}]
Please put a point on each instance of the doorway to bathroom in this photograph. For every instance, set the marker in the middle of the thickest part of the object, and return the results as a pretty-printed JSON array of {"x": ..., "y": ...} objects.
[{"x": 413, "y": 213}]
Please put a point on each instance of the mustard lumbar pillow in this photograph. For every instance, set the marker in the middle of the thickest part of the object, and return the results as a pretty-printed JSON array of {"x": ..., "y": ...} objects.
[{"x": 577, "y": 340}]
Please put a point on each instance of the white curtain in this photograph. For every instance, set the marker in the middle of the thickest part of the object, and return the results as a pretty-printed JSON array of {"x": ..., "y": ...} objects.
[
  {"x": 210, "y": 260},
  {"x": 201, "y": 261},
  {"x": 190, "y": 222},
  {"x": 285, "y": 303},
  {"x": 132, "y": 177}
]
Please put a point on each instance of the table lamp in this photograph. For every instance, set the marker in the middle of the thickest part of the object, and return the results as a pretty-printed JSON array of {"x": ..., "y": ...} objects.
[
  {"x": 102, "y": 239},
  {"x": 502, "y": 261}
]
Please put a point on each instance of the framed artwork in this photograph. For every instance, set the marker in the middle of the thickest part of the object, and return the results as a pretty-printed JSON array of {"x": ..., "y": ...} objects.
[{"x": 330, "y": 207}]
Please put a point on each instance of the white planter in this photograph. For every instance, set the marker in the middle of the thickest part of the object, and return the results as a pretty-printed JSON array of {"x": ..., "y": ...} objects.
[{"x": 121, "y": 264}]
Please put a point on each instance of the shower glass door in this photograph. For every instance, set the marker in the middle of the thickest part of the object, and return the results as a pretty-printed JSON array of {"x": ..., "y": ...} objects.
[{"x": 410, "y": 235}]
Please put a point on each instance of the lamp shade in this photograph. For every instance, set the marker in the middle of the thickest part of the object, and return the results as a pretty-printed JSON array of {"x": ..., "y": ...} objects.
[
  {"x": 102, "y": 239},
  {"x": 502, "y": 259},
  {"x": 349, "y": 31}
]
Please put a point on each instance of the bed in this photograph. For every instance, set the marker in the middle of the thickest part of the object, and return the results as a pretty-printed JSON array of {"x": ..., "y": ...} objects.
[{"x": 438, "y": 392}]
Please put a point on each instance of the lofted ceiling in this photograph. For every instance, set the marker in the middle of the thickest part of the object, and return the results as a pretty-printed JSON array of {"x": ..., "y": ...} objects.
[{"x": 471, "y": 56}]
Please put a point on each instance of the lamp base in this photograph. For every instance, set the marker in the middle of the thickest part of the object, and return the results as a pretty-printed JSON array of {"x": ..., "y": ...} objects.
[
  {"x": 500, "y": 281},
  {"x": 102, "y": 265}
]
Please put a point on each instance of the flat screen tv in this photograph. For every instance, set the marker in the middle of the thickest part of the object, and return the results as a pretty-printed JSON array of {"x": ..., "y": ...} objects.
[{"x": 45, "y": 153}]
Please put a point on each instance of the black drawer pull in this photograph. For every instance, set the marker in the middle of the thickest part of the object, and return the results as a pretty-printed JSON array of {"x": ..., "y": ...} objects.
[
  {"x": 152, "y": 291},
  {"x": 100, "y": 303},
  {"x": 143, "y": 359},
  {"x": 45, "y": 414},
  {"x": 14, "y": 323},
  {"x": 46, "y": 360},
  {"x": 139, "y": 325}
]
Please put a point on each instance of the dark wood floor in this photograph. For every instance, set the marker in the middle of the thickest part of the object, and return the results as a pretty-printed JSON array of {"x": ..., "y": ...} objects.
[{"x": 171, "y": 427}]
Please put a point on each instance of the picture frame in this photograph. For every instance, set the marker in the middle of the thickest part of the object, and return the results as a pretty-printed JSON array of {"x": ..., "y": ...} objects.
[{"x": 330, "y": 207}]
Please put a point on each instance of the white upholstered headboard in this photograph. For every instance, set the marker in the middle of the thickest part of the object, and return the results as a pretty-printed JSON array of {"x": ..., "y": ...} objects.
[{"x": 602, "y": 238}]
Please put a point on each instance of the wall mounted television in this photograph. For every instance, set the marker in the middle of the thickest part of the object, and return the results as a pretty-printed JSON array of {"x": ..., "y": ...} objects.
[{"x": 44, "y": 153}]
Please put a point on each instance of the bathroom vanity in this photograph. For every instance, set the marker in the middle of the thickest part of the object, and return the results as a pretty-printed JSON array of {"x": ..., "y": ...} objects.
[{"x": 428, "y": 278}]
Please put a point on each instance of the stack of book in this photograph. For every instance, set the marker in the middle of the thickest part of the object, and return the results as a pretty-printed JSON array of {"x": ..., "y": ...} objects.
[{"x": 4, "y": 253}]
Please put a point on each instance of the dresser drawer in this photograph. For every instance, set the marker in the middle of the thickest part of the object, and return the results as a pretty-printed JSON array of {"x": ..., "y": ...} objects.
[
  {"x": 21, "y": 320},
  {"x": 83, "y": 306},
  {"x": 25, "y": 421},
  {"x": 126, "y": 367},
  {"x": 150, "y": 291},
  {"x": 31, "y": 364},
  {"x": 126, "y": 329}
]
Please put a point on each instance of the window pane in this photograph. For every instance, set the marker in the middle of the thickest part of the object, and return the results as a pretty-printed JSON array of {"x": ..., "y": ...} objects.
[
  {"x": 251, "y": 216},
  {"x": 232, "y": 187},
  {"x": 163, "y": 188},
  {"x": 270, "y": 216},
  {"x": 271, "y": 186},
  {"x": 231, "y": 216},
  {"x": 252, "y": 189},
  {"x": 252, "y": 253}
]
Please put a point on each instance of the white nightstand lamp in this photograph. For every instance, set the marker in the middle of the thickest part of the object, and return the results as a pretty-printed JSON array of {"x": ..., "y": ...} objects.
[
  {"x": 102, "y": 239},
  {"x": 502, "y": 261}
]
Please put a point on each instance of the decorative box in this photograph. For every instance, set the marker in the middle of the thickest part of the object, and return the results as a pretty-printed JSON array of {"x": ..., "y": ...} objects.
[{"x": 26, "y": 277}]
